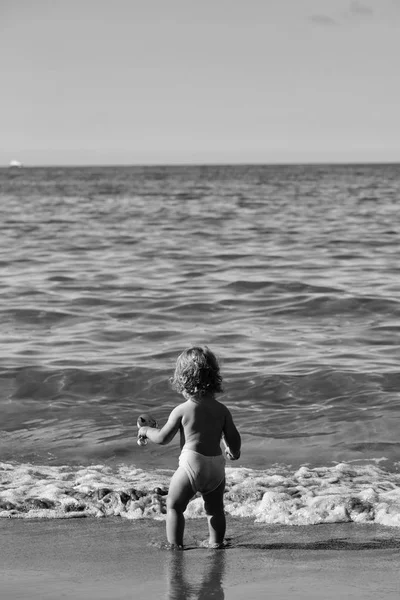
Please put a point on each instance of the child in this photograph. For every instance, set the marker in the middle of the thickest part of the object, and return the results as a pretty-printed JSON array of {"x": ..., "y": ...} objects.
[{"x": 201, "y": 421}]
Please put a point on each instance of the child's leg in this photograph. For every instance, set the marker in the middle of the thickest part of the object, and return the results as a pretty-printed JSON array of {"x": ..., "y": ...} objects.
[
  {"x": 180, "y": 492},
  {"x": 214, "y": 507}
]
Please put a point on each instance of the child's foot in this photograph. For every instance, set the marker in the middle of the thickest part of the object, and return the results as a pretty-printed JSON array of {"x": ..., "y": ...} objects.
[
  {"x": 169, "y": 546},
  {"x": 213, "y": 545}
]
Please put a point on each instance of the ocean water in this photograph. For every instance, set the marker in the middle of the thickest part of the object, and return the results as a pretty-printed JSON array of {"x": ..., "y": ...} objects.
[{"x": 290, "y": 274}]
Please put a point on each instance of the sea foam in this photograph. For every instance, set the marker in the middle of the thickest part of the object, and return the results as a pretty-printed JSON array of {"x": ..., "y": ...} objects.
[{"x": 340, "y": 493}]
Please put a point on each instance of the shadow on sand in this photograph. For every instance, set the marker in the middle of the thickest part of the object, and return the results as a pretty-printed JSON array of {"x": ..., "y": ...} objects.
[{"x": 331, "y": 544}]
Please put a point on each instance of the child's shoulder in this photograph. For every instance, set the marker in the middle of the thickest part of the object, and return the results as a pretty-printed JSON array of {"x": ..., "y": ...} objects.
[
  {"x": 222, "y": 405},
  {"x": 220, "y": 408},
  {"x": 183, "y": 407}
]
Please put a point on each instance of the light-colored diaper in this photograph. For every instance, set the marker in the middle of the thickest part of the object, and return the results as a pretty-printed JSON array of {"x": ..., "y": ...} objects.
[{"x": 205, "y": 473}]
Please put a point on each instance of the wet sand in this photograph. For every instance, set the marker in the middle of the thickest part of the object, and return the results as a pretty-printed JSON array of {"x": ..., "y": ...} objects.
[{"x": 115, "y": 558}]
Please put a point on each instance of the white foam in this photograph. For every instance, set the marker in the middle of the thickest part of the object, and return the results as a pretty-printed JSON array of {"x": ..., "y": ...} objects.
[{"x": 279, "y": 495}]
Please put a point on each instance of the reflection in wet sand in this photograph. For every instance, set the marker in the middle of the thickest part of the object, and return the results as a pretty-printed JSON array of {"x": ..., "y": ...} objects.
[{"x": 185, "y": 581}]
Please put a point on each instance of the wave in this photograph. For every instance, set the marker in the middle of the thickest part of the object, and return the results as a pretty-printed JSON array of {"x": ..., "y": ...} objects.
[{"x": 342, "y": 493}]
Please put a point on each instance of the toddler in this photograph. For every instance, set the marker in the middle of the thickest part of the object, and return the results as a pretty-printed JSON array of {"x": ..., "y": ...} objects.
[{"x": 202, "y": 422}]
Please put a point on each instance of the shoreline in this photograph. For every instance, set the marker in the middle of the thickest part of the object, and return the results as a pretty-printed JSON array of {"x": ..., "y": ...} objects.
[{"x": 113, "y": 558}]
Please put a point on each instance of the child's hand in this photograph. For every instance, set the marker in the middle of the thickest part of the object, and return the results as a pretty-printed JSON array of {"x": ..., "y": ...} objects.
[
  {"x": 148, "y": 420},
  {"x": 142, "y": 433},
  {"x": 231, "y": 456},
  {"x": 142, "y": 436},
  {"x": 143, "y": 424}
]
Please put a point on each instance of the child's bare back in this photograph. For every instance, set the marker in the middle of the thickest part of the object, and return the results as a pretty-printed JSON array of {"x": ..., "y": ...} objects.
[{"x": 203, "y": 422}]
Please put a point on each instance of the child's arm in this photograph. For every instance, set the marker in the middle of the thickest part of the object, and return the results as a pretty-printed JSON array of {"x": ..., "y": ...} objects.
[
  {"x": 232, "y": 437},
  {"x": 165, "y": 434}
]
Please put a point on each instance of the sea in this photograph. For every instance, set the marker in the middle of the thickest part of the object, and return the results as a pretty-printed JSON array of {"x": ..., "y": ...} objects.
[{"x": 289, "y": 274}]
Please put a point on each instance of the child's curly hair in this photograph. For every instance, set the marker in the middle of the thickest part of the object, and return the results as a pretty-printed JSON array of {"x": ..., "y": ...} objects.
[{"x": 197, "y": 372}]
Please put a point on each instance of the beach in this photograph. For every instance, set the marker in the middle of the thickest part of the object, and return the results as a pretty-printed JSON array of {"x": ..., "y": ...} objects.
[{"x": 113, "y": 558}]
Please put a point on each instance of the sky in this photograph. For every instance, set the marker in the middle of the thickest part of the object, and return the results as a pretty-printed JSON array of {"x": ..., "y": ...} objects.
[{"x": 207, "y": 81}]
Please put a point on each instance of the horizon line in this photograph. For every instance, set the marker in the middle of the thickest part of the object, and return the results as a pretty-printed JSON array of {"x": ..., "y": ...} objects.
[{"x": 197, "y": 164}]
